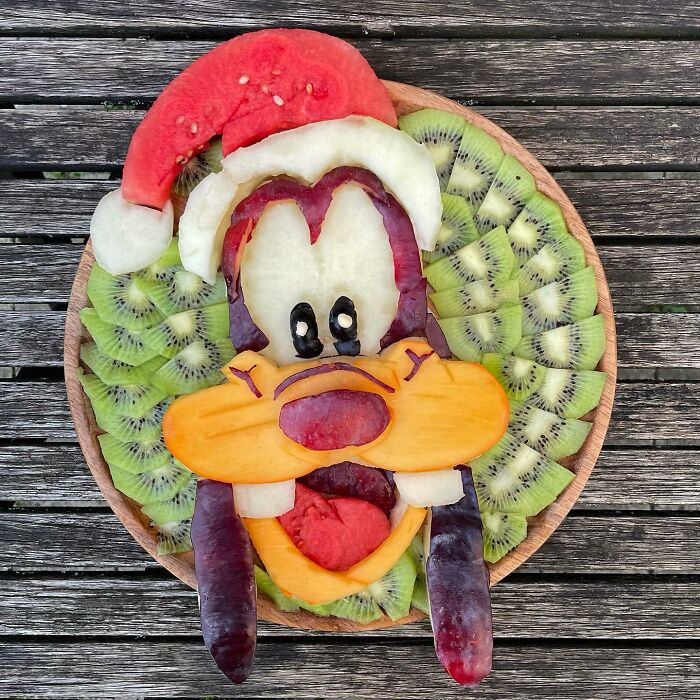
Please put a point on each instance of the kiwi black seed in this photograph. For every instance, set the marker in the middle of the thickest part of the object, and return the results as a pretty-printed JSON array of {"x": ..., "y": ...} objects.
[
  {"x": 441, "y": 133},
  {"x": 569, "y": 393},
  {"x": 519, "y": 377},
  {"x": 553, "y": 262},
  {"x": 184, "y": 290},
  {"x": 456, "y": 229},
  {"x": 174, "y": 538},
  {"x": 153, "y": 486},
  {"x": 112, "y": 372},
  {"x": 475, "y": 297},
  {"x": 135, "y": 457},
  {"x": 360, "y": 607},
  {"x": 147, "y": 427},
  {"x": 502, "y": 532},
  {"x": 163, "y": 268},
  {"x": 178, "y": 506}
]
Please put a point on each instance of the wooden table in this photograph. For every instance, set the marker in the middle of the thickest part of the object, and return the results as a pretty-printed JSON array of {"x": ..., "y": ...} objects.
[{"x": 607, "y": 94}]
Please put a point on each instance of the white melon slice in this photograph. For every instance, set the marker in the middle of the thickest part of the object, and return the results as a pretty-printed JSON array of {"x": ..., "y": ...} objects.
[
  {"x": 307, "y": 153},
  {"x": 127, "y": 237},
  {"x": 423, "y": 489},
  {"x": 352, "y": 257},
  {"x": 264, "y": 500}
]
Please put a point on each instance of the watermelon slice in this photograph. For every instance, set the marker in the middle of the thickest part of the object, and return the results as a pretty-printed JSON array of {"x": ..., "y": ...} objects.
[{"x": 245, "y": 89}]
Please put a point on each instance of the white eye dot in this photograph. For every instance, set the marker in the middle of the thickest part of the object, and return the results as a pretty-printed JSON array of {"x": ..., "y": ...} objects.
[
  {"x": 344, "y": 320},
  {"x": 301, "y": 329}
]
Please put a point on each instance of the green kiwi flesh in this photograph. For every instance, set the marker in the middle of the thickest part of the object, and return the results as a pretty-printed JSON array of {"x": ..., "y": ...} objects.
[
  {"x": 163, "y": 268},
  {"x": 198, "y": 167},
  {"x": 507, "y": 195},
  {"x": 151, "y": 486},
  {"x": 441, "y": 133},
  {"x": 198, "y": 366},
  {"x": 393, "y": 592},
  {"x": 572, "y": 299},
  {"x": 456, "y": 229},
  {"x": 179, "y": 506},
  {"x": 502, "y": 532},
  {"x": 569, "y": 393},
  {"x": 545, "y": 432},
  {"x": 135, "y": 457},
  {"x": 519, "y": 377},
  {"x": 478, "y": 158},
  {"x": 267, "y": 586},
  {"x": 553, "y": 262},
  {"x": 184, "y": 290},
  {"x": 113, "y": 372},
  {"x": 147, "y": 427},
  {"x": 470, "y": 337},
  {"x": 419, "y": 599},
  {"x": 578, "y": 345},
  {"x": 174, "y": 538},
  {"x": 475, "y": 298},
  {"x": 360, "y": 607},
  {"x": 489, "y": 258},
  {"x": 511, "y": 477}
]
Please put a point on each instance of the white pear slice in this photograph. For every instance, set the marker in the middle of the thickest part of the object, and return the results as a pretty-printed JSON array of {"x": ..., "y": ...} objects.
[
  {"x": 308, "y": 152},
  {"x": 264, "y": 500},
  {"x": 127, "y": 237},
  {"x": 422, "y": 489}
]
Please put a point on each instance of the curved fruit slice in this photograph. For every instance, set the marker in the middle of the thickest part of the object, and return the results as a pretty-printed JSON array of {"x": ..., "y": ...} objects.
[
  {"x": 567, "y": 393},
  {"x": 223, "y": 561},
  {"x": 519, "y": 377},
  {"x": 113, "y": 372},
  {"x": 553, "y": 262},
  {"x": 422, "y": 489},
  {"x": 147, "y": 427},
  {"x": 475, "y": 298},
  {"x": 308, "y": 153},
  {"x": 131, "y": 400},
  {"x": 135, "y": 457},
  {"x": 394, "y": 590},
  {"x": 267, "y": 586},
  {"x": 502, "y": 532},
  {"x": 264, "y": 500},
  {"x": 179, "y": 506},
  {"x": 247, "y": 88},
  {"x": 360, "y": 607},
  {"x": 456, "y": 230},
  {"x": 151, "y": 486},
  {"x": 458, "y": 588},
  {"x": 127, "y": 237},
  {"x": 174, "y": 537},
  {"x": 184, "y": 290}
]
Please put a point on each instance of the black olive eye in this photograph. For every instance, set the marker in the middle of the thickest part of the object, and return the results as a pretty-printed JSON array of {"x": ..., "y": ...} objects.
[
  {"x": 304, "y": 329},
  {"x": 342, "y": 321}
]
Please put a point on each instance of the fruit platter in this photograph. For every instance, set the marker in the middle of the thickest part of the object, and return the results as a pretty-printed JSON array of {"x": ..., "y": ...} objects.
[{"x": 340, "y": 352}]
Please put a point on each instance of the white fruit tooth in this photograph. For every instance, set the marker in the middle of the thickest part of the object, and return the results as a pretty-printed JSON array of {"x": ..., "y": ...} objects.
[
  {"x": 127, "y": 237},
  {"x": 264, "y": 500},
  {"x": 397, "y": 512},
  {"x": 422, "y": 489}
]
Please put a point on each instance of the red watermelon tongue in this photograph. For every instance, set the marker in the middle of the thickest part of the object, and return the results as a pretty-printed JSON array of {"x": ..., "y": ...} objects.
[
  {"x": 245, "y": 89},
  {"x": 336, "y": 533}
]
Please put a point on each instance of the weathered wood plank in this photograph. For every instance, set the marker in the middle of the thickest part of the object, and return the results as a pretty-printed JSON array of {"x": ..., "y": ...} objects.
[
  {"x": 563, "y": 138},
  {"x": 95, "y": 541},
  {"x": 521, "y": 610},
  {"x": 84, "y": 70},
  {"x": 663, "y": 480},
  {"x": 373, "y": 669},
  {"x": 632, "y": 208},
  {"x": 637, "y": 275},
  {"x": 653, "y": 340},
  {"x": 644, "y": 413},
  {"x": 386, "y": 17}
]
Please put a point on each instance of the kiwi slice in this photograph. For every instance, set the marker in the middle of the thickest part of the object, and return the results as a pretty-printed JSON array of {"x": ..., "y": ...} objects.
[
  {"x": 441, "y": 133},
  {"x": 116, "y": 341},
  {"x": 571, "y": 299},
  {"x": 360, "y": 607},
  {"x": 267, "y": 586},
  {"x": 196, "y": 367},
  {"x": 553, "y": 262},
  {"x": 184, "y": 290},
  {"x": 519, "y": 377},
  {"x": 147, "y": 427},
  {"x": 577, "y": 346},
  {"x": 469, "y": 337},
  {"x": 135, "y": 457},
  {"x": 568, "y": 393},
  {"x": 510, "y": 189},
  {"x": 179, "y": 506},
  {"x": 502, "y": 532},
  {"x": 489, "y": 258},
  {"x": 513, "y": 478},
  {"x": 477, "y": 162},
  {"x": 120, "y": 300},
  {"x": 178, "y": 331},
  {"x": 475, "y": 297},
  {"x": 540, "y": 222},
  {"x": 132, "y": 400},
  {"x": 163, "y": 268},
  {"x": 545, "y": 432},
  {"x": 456, "y": 229},
  {"x": 198, "y": 167},
  {"x": 174, "y": 538},
  {"x": 394, "y": 590},
  {"x": 418, "y": 552},
  {"x": 112, "y": 371},
  {"x": 419, "y": 599},
  {"x": 151, "y": 486}
]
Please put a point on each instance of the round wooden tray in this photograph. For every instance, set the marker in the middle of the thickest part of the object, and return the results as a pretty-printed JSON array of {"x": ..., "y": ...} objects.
[{"x": 406, "y": 99}]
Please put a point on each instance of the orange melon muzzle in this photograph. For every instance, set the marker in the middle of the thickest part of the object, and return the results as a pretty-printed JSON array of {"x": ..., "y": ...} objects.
[{"x": 417, "y": 412}]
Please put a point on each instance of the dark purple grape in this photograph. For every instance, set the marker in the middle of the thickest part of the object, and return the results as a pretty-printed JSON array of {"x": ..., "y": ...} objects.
[
  {"x": 354, "y": 480},
  {"x": 458, "y": 589},
  {"x": 223, "y": 558}
]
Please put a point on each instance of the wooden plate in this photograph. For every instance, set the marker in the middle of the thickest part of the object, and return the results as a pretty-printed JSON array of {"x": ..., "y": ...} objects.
[{"x": 406, "y": 99}]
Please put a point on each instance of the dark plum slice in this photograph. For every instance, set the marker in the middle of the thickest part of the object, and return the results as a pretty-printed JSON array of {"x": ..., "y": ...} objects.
[
  {"x": 436, "y": 338},
  {"x": 355, "y": 481},
  {"x": 335, "y": 419},
  {"x": 458, "y": 588},
  {"x": 410, "y": 316},
  {"x": 223, "y": 557}
]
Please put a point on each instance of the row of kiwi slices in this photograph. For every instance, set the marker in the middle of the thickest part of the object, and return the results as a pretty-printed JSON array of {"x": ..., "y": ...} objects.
[
  {"x": 511, "y": 289},
  {"x": 155, "y": 334}
]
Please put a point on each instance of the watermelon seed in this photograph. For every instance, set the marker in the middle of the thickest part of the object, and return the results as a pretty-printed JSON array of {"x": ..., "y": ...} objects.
[
  {"x": 189, "y": 153},
  {"x": 194, "y": 128},
  {"x": 309, "y": 88},
  {"x": 265, "y": 89},
  {"x": 180, "y": 160},
  {"x": 180, "y": 119},
  {"x": 276, "y": 71},
  {"x": 277, "y": 100},
  {"x": 243, "y": 80}
]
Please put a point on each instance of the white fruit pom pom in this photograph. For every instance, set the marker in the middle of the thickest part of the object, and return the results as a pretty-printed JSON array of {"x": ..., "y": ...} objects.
[
  {"x": 422, "y": 489},
  {"x": 127, "y": 237},
  {"x": 264, "y": 500}
]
